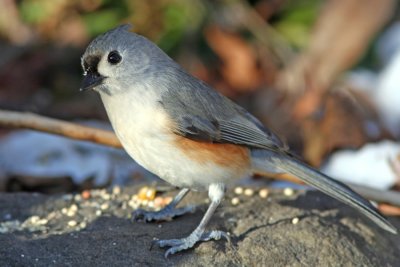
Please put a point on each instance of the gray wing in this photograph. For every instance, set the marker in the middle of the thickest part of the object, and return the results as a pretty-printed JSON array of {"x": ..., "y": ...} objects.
[{"x": 201, "y": 113}]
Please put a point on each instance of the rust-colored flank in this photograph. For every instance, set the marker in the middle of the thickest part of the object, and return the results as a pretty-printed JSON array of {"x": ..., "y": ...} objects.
[{"x": 225, "y": 155}]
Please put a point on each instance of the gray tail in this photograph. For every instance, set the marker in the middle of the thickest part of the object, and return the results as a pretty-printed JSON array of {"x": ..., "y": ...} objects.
[{"x": 332, "y": 188}]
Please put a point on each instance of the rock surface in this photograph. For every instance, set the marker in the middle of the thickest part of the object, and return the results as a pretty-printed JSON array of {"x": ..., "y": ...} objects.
[{"x": 300, "y": 229}]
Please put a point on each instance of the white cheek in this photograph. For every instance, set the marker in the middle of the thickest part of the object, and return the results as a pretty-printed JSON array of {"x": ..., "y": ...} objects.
[{"x": 104, "y": 69}]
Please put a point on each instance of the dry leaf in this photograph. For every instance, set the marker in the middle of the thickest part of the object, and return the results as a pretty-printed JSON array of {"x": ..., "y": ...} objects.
[{"x": 239, "y": 60}]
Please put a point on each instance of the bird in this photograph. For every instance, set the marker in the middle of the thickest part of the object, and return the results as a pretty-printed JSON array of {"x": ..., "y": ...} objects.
[{"x": 181, "y": 129}]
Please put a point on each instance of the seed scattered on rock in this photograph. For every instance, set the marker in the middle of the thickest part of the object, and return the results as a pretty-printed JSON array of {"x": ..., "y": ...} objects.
[
  {"x": 134, "y": 204},
  {"x": 42, "y": 221},
  {"x": 72, "y": 223},
  {"x": 158, "y": 202},
  {"x": 71, "y": 213},
  {"x": 86, "y": 194},
  {"x": 34, "y": 219},
  {"x": 248, "y": 192},
  {"x": 238, "y": 190},
  {"x": 74, "y": 207},
  {"x": 235, "y": 201},
  {"x": 10, "y": 226},
  {"x": 295, "y": 220},
  {"x": 288, "y": 192},
  {"x": 116, "y": 190},
  {"x": 93, "y": 203},
  {"x": 106, "y": 196},
  {"x": 147, "y": 193},
  {"x": 263, "y": 193},
  {"x": 142, "y": 193}
]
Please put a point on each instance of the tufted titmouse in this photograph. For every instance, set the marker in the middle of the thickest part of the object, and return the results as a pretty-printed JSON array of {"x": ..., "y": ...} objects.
[{"x": 179, "y": 128}]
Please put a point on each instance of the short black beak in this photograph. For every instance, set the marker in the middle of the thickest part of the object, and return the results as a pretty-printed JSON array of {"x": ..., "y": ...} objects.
[{"x": 91, "y": 80}]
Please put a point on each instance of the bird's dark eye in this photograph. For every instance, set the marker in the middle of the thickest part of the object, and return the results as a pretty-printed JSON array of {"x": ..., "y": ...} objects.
[{"x": 114, "y": 57}]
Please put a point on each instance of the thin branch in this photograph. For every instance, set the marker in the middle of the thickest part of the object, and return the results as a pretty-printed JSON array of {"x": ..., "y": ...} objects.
[{"x": 59, "y": 127}]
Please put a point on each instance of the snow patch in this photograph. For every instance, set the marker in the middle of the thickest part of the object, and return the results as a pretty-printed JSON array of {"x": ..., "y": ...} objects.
[{"x": 367, "y": 166}]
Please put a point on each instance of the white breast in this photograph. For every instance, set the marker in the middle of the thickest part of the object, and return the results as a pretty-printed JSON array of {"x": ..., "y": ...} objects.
[{"x": 145, "y": 132}]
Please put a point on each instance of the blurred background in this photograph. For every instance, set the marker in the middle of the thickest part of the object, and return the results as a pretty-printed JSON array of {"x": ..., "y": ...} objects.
[{"x": 322, "y": 74}]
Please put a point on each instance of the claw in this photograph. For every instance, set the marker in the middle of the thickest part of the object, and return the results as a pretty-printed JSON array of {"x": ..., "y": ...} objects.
[
  {"x": 168, "y": 252},
  {"x": 171, "y": 251},
  {"x": 177, "y": 245},
  {"x": 216, "y": 192},
  {"x": 216, "y": 235},
  {"x": 170, "y": 243}
]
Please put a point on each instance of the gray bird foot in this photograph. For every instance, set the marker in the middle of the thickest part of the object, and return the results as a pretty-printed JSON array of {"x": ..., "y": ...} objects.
[
  {"x": 165, "y": 214},
  {"x": 177, "y": 245}
]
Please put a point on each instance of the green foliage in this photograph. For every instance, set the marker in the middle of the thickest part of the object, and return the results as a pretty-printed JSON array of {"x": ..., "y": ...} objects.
[
  {"x": 178, "y": 18},
  {"x": 102, "y": 20},
  {"x": 296, "y": 20},
  {"x": 167, "y": 22},
  {"x": 34, "y": 11}
]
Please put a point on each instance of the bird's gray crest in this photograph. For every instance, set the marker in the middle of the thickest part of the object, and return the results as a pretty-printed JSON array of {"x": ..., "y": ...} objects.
[
  {"x": 118, "y": 35},
  {"x": 117, "y": 31}
]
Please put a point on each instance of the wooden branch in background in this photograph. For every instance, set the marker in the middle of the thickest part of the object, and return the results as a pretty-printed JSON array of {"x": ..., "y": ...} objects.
[{"x": 44, "y": 124}]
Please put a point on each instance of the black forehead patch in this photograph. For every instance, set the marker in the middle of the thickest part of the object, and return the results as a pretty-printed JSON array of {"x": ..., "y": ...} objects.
[{"x": 90, "y": 63}]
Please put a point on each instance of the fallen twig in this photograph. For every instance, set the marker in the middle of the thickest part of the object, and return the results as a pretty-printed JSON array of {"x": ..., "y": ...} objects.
[{"x": 44, "y": 124}]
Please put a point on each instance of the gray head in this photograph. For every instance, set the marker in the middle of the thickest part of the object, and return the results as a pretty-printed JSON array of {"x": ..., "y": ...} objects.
[{"x": 118, "y": 58}]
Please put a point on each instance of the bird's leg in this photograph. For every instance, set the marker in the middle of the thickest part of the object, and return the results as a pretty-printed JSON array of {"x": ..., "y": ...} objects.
[
  {"x": 167, "y": 213},
  {"x": 216, "y": 193}
]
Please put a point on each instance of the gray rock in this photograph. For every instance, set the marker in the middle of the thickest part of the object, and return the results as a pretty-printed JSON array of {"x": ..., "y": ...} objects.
[{"x": 265, "y": 232}]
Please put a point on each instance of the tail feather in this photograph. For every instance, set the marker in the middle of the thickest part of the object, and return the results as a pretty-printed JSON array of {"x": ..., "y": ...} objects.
[{"x": 332, "y": 188}]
